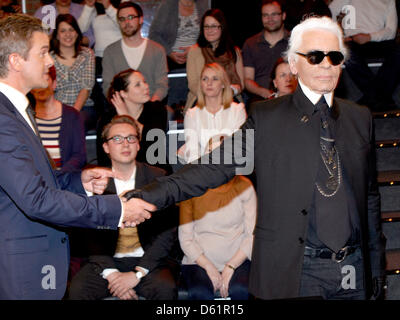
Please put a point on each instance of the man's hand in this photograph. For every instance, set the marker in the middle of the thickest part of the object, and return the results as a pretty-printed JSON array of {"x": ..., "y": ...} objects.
[
  {"x": 361, "y": 38},
  {"x": 135, "y": 211},
  {"x": 96, "y": 179},
  {"x": 121, "y": 285}
]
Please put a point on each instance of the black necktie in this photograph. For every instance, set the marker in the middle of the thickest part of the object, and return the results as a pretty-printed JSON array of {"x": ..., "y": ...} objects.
[
  {"x": 31, "y": 114},
  {"x": 333, "y": 222}
]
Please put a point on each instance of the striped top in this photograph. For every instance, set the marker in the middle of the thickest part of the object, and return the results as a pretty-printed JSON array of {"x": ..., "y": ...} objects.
[
  {"x": 188, "y": 31},
  {"x": 49, "y": 131}
]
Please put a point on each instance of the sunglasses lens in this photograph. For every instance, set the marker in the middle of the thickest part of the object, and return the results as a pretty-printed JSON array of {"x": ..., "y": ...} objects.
[
  {"x": 336, "y": 57},
  {"x": 315, "y": 57}
]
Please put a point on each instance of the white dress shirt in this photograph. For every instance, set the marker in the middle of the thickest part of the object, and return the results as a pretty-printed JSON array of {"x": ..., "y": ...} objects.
[
  {"x": 314, "y": 97},
  {"x": 18, "y": 99}
]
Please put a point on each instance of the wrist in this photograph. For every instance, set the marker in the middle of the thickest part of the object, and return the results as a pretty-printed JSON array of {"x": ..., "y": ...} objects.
[{"x": 230, "y": 266}]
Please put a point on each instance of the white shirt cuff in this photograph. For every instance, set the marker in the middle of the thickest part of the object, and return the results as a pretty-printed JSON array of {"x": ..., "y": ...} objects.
[{"x": 107, "y": 272}]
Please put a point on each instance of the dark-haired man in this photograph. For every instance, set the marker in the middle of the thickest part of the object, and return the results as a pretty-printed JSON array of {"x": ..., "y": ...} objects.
[{"x": 135, "y": 52}]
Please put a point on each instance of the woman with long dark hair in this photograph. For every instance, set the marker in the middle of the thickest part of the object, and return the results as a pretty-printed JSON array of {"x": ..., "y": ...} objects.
[
  {"x": 129, "y": 94},
  {"x": 75, "y": 66},
  {"x": 213, "y": 45}
]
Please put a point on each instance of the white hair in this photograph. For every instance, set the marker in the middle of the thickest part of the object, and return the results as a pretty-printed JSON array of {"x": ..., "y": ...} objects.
[{"x": 313, "y": 23}]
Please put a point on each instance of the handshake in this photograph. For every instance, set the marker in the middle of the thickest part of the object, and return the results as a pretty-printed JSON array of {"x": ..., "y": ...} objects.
[{"x": 135, "y": 209}]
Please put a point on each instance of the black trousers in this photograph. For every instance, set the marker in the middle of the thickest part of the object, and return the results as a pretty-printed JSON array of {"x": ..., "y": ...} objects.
[
  {"x": 88, "y": 284},
  {"x": 328, "y": 279}
]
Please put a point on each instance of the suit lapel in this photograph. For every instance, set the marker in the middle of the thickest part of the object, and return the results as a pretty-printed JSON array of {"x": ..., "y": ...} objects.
[
  {"x": 140, "y": 180},
  {"x": 34, "y": 138},
  {"x": 111, "y": 189}
]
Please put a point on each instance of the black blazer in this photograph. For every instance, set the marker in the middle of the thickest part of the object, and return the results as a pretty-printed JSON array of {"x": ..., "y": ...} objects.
[
  {"x": 286, "y": 149},
  {"x": 158, "y": 235}
]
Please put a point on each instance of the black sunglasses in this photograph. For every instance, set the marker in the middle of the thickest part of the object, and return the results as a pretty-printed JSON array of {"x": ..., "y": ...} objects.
[{"x": 316, "y": 57}]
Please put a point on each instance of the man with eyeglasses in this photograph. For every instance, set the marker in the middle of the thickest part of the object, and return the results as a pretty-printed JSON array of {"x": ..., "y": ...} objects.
[
  {"x": 135, "y": 52},
  {"x": 318, "y": 231},
  {"x": 133, "y": 262},
  {"x": 261, "y": 51}
]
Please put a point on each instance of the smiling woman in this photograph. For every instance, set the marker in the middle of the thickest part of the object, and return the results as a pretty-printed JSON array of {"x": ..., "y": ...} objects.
[
  {"x": 75, "y": 66},
  {"x": 214, "y": 45}
]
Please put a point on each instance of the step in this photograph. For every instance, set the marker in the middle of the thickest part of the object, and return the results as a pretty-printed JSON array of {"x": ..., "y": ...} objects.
[
  {"x": 390, "y": 216},
  {"x": 387, "y": 158},
  {"x": 391, "y": 143},
  {"x": 393, "y": 261},
  {"x": 387, "y": 128},
  {"x": 389, "y": 178},
  {"x": 386, "y": 114}
]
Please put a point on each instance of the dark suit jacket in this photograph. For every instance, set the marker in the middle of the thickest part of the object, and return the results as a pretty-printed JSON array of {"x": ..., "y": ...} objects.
[
  {"x": 286, "y": 149},
  {"x": 32, "y": 204},
  {"x": 158, "y": 235},
  {"x": 72, "y": 140}
]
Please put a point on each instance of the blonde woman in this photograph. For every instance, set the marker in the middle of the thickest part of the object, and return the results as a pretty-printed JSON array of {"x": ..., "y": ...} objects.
[{"x": 215, "y": 114}]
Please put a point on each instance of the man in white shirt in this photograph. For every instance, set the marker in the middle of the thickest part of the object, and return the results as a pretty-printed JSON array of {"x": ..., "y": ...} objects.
[
  {"x": 135, "y": 261},
  {"x": 370, "y": 27}
]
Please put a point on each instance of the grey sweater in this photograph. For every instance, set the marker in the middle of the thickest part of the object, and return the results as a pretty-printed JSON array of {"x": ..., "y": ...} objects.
[{"x": 153, "y": 67}]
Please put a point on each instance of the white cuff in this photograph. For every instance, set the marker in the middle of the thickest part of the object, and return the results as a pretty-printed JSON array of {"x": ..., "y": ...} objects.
[{"x": 107, "y": 272}]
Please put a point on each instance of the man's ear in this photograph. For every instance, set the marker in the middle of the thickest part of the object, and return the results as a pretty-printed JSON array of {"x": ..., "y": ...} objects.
[
  {"x": 292, "y": 66},
  {"x": 14, "y": 61},
  {"x": 105, "y": 148}
]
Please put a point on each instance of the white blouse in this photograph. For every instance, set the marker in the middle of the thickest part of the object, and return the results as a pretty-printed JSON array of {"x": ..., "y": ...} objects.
[{"x": 201, "y": 126}]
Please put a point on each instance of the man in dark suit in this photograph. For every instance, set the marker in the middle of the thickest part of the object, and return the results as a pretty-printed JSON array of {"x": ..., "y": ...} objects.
[
  {"x": 35, "y": 199},
  {"x": 134, "y": 261},
  {"x": 318, "y": 228}
]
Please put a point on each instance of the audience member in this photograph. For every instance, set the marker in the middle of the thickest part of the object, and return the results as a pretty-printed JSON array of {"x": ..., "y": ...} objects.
[
  {"x": 8, "y": 7},
  {"x": 64, "y": 7},
  {"x": 216, "y": 236},
  {"x": 60, "y": 127},
  {"x": 370, "y": 29},
  {"x": 176, "y": 26},
  {"x": 216, "y": 260},
  {"x": 213, "y": 45},
  {"x": 214, "y": 116},
  {"x": 283, "y": 81},
  {"x": 261, "y": 51},
  {"x": 135, "y": 52},
  {"x": 129, "y": 95},
  {"x": 134, "y": 261},
  {"x": 75, "y": 67},
  {"x": 102, "y": 17},
  {"x": 298, "y": 10}
]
